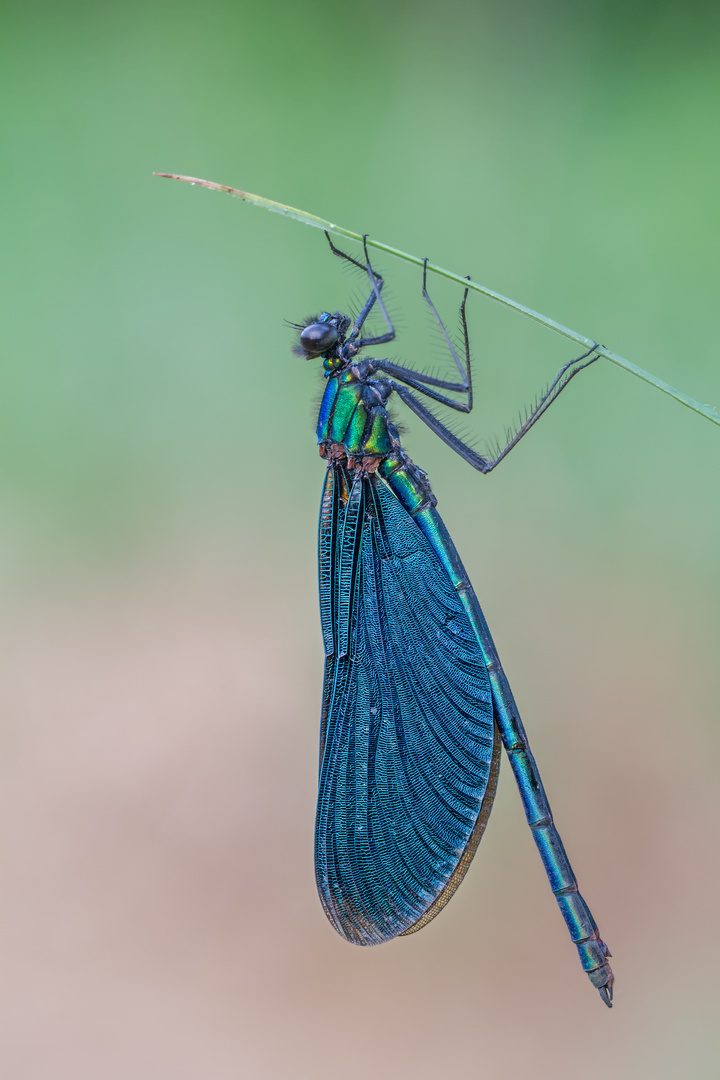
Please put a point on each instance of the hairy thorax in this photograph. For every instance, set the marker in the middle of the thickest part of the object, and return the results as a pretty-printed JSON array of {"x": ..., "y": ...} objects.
[{"x": 355, "y": 431}]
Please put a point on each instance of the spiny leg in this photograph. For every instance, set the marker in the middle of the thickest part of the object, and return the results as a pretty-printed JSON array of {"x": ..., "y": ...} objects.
[
  {"x": 377, "y": 283},
  {"x": 565, "y": 374},
  {"x": 479, "y": 461},
  {"x": 421, "y": 382},
  {"x": 463, "y": 369},
  {"x": 344, "y": 255}
]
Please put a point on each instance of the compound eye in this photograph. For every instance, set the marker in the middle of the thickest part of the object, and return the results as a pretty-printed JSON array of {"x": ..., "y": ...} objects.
[{"x": 317, "y": 338}]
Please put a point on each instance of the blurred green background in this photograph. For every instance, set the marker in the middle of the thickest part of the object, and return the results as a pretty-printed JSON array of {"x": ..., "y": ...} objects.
[{"x": 159, "y": 484}]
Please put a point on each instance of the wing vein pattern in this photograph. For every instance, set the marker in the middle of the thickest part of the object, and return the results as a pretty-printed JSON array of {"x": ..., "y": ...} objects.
[{"x": 408, "y": 750}]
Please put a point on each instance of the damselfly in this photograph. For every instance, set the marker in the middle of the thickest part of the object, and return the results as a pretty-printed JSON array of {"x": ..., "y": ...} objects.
[{"x": 416, "y": 704}]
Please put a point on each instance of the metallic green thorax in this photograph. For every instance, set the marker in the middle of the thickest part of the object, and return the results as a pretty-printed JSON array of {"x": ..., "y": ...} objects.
[
  {"x": 355, "y": 424},
  {"x": 353, "y": 415}
]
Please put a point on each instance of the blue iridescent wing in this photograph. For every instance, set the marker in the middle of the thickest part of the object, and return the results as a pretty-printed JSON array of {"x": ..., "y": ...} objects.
[{"x": 408, "y": 756}]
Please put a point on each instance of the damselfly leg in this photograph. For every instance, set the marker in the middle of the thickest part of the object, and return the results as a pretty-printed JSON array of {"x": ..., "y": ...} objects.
[
  {"x": 377, "y": 283},
  {"x": 410, "y": 380}
]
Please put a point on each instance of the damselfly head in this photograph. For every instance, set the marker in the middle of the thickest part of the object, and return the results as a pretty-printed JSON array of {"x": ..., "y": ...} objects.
[
  {"x": 321, "y": 335},
  {"x": 318, "y": 338}
]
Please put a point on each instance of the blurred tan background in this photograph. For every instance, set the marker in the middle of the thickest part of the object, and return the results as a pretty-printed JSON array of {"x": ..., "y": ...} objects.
[{"x": 159, "y": 482}]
